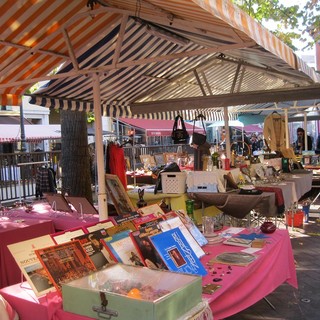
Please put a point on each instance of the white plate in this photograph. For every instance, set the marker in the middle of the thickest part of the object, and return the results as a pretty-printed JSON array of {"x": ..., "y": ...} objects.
[
  {"x": 247, "y": 187},
  {"x": 211, "y": 235},
  {"x": 216, "y": 240}
]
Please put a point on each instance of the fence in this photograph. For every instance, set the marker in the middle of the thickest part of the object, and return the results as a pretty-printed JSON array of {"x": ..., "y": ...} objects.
[{"x": 18, "y": 170}]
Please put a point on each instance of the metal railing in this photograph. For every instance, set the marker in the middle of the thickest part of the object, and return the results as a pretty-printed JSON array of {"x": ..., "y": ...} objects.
[{"x": 18, "y": 171}]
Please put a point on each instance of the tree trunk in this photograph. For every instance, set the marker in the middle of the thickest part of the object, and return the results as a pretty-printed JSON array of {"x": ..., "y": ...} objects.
[{"x": 75, "y": 162}]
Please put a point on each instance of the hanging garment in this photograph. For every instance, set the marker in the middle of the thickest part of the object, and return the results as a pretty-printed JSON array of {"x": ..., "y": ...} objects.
[
  {"x": 45, "y": 181},
  {"x": 117, "y": 163},
  {"x": 274, "y": 131}
]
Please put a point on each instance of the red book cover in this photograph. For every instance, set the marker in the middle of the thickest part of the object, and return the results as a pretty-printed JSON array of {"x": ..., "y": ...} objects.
[
  {"x": 65, "y": 262},
  {"x": 145, "y": 221}
]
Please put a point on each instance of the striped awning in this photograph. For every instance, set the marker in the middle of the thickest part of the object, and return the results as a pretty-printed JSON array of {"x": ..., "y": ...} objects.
[{"x": 142, "y": 51}]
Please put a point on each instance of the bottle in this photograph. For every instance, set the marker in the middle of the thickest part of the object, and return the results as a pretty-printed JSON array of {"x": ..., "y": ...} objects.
[
  {"x": 215, "y": 159},
  {"x": 190, "y": 208}
]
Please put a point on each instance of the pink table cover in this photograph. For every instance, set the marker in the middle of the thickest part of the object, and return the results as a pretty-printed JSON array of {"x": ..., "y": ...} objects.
[
  {"x": 244, "y": 286},
  {"x": 61, "y": 220},
  {"x": 12, "y": 231},
  {"x": 240, "y": 289}
]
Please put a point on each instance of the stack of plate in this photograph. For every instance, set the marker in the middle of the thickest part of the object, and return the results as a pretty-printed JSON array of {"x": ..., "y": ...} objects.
[{"x": 213, "y": 238}]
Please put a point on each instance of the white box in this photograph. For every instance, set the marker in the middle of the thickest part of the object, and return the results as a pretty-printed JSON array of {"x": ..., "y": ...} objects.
[{"x": 173, "y": 182}]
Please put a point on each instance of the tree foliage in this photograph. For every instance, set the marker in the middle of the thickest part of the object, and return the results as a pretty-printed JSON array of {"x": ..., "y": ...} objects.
[{"x": 292, "y": 22}]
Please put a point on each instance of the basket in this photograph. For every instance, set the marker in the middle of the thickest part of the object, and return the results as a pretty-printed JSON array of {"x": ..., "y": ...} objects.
[
  {"x": 173, "y": 182},
  {"x": 297, "y": 218}
]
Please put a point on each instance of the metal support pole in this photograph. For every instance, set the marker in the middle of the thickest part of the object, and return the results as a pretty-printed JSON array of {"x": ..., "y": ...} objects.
[{"x": 102, "y": 194}]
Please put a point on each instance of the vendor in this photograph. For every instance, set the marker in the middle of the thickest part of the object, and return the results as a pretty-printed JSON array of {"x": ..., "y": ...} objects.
[{"x": 300, "y": 142}]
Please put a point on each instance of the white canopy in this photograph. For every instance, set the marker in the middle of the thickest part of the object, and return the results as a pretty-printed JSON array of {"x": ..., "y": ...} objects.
[{"x": 12, "y": 132}]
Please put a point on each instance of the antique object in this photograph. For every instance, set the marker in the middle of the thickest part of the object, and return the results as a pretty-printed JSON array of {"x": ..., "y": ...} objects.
[{"x": 133, "y": 293}]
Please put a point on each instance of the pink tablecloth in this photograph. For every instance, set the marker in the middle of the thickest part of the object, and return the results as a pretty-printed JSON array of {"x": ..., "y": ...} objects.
[
  {"x": 242, "y": 287},
  {"x": 12, "y": 231},
  {"x": 61, "y": 220}
]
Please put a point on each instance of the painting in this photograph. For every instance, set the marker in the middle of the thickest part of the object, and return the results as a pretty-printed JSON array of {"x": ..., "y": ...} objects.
[{"x": 117, "y": 195}]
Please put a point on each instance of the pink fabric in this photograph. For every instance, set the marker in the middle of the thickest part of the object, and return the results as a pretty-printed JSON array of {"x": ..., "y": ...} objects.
[
  {"x": 61, "y": 220},
  {"x": 240, "y": 289},
  {"x": 244, "y": 286},
  {"x": 12, "y": 231}
]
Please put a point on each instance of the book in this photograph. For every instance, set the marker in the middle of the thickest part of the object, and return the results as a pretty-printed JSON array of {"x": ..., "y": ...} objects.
[
  {"x": 177, "y": 222},
  {"x": 194, "y": 230},
  {"x": 146, "y": 250},
  {"x": 126, "y": 225},
  {"x": 153, "y": 208},
  {"x": 176, "y": 252},
  {"x": 234, "y": 241},
  {"x": 66, "y": 236},
  {"x": 36, "y": 275},
  {"x": 120, "y": 218},
  {"x": 147, "y": 220},
  {"x": 65, "y": 262},
  {"x": 121, "y": 246},
  {"x": 91, "y": 242},
  {"x": 104, "y": 224}
]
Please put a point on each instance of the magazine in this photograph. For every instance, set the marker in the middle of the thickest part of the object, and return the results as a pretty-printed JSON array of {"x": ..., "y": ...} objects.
[
  {"x": 104, "y": 224},
  {"x": 191, "y": 226},
  {"x": 126, "y": 225},
  {"x": 120, "y": 218},
  {"x": 66, "y": 236},
  {"x": 65, "y": 262},
  {"x": 176, "y": 252},
  {"x": 234, "y": 241},
  {"x": 145, "y": 221},
  {"x": 32, "y": 269},
  {"x": 91, "y": 242},
  {"x": 152, "y": 208},
  {"x": 121, "y": 246},
  {"x": 146, "y": 250},
  {"x": 177, "y": 222}
]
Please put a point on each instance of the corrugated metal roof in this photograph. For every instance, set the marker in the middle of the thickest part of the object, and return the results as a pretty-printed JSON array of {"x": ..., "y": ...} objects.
[{"x": 224, "y": 51}]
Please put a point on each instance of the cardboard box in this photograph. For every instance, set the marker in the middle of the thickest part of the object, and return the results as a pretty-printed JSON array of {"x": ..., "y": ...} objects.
[{"x": 170, "y": 295}]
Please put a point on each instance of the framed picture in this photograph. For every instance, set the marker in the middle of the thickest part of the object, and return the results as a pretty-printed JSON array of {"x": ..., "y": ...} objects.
[{"x": 117, "y": 195}]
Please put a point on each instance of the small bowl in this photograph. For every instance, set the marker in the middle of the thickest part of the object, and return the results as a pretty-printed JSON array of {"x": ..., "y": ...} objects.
[{"x": 268, "y": 227}]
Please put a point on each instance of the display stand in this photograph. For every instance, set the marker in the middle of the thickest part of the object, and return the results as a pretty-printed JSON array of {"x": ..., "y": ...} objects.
[
  {"x": 58, "y": 202},
  {"x": 82, "y": 205}
]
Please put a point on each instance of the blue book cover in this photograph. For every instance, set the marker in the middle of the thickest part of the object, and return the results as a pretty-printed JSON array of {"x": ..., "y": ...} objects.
[{"x": 176, "y": 252}]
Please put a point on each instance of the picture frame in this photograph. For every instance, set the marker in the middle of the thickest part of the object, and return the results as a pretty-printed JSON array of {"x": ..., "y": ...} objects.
[{"x": 117, "y": 195}]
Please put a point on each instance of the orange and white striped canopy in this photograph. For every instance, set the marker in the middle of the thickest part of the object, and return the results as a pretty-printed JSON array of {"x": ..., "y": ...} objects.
[{"x": 120, "y": 40}]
